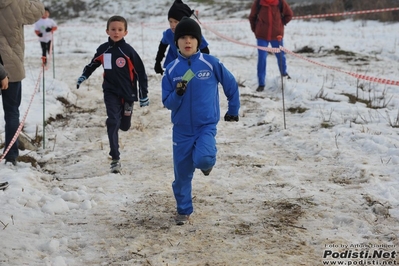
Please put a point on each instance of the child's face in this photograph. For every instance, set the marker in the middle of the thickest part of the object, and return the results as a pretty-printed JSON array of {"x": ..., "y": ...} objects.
[
  {"x": 46, "y": 14},
  {"x": 172, "y": 24},
  {"x": 188, "y": 45},
  {"x": 116, "y": 30}
]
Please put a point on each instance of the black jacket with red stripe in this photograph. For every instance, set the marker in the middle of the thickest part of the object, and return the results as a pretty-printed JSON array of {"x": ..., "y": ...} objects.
[{"x": 123, "y": 70}]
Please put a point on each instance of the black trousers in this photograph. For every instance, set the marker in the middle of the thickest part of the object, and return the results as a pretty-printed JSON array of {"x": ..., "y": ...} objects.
[
  {"x": 11, "y": 102},
  {"x": 116, "y": 120},
  {"x": 45, "y": 48}
]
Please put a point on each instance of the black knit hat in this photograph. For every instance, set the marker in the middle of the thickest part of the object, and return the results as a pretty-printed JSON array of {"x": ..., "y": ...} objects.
[
  {"x": 188, "y": 26},
  {"x": 178, "y": 10}
]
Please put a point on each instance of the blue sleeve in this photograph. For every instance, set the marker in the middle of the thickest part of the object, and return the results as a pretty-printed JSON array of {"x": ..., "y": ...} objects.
[
  {"x": 204, "y": 43},
  {"x": 230, "y": 87},
  {"x": 169, "y": 38},
  {"x": 170, "y": 99},
  {"x": 164, "y": 38}
]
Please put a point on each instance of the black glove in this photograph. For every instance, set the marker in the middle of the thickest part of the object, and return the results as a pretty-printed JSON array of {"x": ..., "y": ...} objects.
[
  {"x": 230, "y": 118},
  {"x": 40, "y": 34},
  {"x": 181, "y": 87},
  {"x": 158, "y": 68},
  {"x": 48, "y": 29}
]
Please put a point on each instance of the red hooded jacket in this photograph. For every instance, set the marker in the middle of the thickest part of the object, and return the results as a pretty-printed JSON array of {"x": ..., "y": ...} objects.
[{"x": 267, "y": 22}]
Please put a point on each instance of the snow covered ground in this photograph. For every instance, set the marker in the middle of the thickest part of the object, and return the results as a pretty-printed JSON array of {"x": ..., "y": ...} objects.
[{"x": 326, "y": 185}]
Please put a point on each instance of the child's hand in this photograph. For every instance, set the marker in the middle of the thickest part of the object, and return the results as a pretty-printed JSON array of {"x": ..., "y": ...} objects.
[
  {"x": 40, "y": 34},
  {"x": 230, "y": 118},
  {"x": 48, "y": 29},
  {"x": 158, "y": 68},
  {"x": 4, "y": 84},
  {"x": 181, "y": 87},
  {"x": 144, "y": 102},
  {"x": 80, "y": 80}
]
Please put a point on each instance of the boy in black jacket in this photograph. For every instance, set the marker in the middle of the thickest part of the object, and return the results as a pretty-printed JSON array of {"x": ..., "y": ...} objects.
[{"x": 123, "y": 69}]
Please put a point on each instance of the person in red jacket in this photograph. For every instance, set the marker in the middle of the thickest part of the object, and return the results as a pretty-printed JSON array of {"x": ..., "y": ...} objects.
[{"x": 267, "y": 20}]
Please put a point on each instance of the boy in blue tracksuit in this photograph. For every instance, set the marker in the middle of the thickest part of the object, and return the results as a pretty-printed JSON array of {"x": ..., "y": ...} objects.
[
  {"x": 123, "y": 69},
  {"x": 190, "y": 91},
  {"x": 177, "y": 11}
]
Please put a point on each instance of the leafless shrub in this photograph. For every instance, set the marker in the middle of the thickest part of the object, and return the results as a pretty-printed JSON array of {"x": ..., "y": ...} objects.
[{"x": 393, "y": 122}]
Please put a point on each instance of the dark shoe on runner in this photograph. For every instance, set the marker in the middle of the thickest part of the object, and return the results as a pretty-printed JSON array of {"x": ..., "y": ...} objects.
[
  {"x": 115, "y": 167},
  {"x": 12, "y": 161},
  {"x": 182, "y": 219},
  {"x": 287, "y": 76},
  {"x": 207, "y": 172},
  {"x": 260, "y": 88}
]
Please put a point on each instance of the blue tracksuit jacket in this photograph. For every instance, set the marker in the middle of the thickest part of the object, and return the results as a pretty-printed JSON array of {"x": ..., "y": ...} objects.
[{"x": 200, "y": 104}]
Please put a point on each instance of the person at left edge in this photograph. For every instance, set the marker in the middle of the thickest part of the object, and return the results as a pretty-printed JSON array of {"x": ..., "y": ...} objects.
[
  {"x": 14, "y": 14},
  {"x": 123, "y": 69},
  {"x": 3, "y": 77}
]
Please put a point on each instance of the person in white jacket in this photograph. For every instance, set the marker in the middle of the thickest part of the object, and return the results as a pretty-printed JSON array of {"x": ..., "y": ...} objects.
[
  {"x": 44, "y": 29},
  {"x": 14, "y": 14}
]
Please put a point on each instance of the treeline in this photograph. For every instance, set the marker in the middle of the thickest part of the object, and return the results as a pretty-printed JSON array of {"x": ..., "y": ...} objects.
[
  {"x": 66, "y": 9},
  {"x": 338, "y": 6}
]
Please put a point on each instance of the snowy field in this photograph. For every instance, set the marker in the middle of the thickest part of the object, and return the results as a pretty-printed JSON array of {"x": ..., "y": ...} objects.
[{"x": 326, "y": 185}]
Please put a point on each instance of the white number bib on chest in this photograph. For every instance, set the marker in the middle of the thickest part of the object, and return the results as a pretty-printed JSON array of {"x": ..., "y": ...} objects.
[
  {"x": 120, "y": 62},
  {"x": 107, "y": 61}
]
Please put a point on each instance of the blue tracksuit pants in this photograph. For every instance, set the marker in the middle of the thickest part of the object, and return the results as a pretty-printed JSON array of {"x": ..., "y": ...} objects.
[
  {"x": 191, "y": 149},
  {"x": 262, "y": 56}
]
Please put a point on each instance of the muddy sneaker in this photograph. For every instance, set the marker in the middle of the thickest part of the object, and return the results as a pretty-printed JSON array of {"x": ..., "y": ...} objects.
[
  {"x": 207, "y": 172},
  {"x": 115, "y": 166},
  {"x": 181, "y": 219}
]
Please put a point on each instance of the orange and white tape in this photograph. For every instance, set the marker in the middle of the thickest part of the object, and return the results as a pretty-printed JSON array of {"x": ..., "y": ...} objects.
[{"x": 356, "y": 75}]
